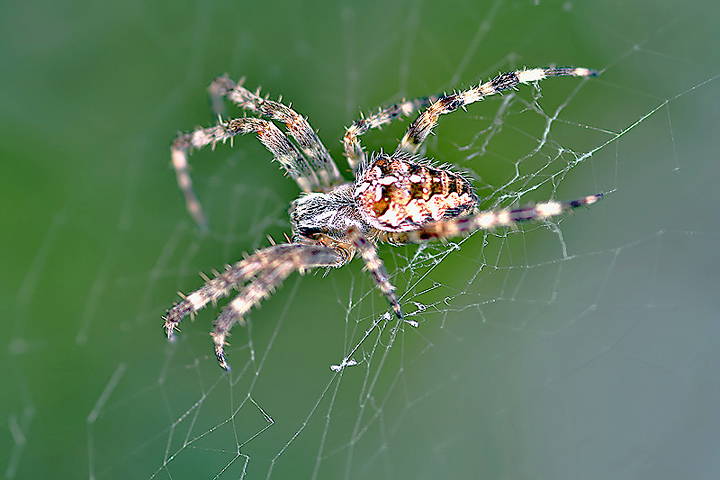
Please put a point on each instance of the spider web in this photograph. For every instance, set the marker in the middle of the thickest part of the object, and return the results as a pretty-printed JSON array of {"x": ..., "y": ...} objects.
[{"x": 586, "y": 347}]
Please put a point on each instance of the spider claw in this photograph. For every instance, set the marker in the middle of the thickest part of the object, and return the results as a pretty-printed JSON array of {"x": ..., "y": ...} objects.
[
  {"x": 170, "y": 327},
  {"x": 219, "y": 340},
  {"x": 220, "y": 354}
]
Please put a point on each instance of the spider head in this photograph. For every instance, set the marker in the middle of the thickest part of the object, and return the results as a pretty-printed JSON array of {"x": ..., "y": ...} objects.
[{"x": 326, "y": 217}]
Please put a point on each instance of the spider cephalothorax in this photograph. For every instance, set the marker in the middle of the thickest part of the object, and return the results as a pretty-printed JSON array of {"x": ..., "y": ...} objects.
[{"x": 398, "y": 198}]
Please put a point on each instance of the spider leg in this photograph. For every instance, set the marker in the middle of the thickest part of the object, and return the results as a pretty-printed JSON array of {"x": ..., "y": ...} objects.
[
  {"x": 353, "y": 149},
  {"x": 278, "y": 264},
  {"x": 375, "y": 266},
  {"x": 423, "y": 125},
  {"x": 274, "y": 140},
  {"x": 490, "y": 219},
  {"x": 298, "y": 126},
  {"x": 236, "y": 275}
]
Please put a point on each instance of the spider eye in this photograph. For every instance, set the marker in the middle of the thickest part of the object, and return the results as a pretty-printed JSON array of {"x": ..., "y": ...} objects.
[{"x": 310, "y": 232}]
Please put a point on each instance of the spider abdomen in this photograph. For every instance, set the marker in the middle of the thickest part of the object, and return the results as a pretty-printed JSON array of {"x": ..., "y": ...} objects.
[{"x": 399, "y": 195}]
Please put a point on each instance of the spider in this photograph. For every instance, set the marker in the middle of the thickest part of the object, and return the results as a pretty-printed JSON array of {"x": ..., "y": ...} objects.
[{"x": 398, "y": 198}]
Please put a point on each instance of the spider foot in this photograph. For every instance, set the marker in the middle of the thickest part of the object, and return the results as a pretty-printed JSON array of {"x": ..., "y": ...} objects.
[
  {"x": 396, "y": 308},
  {"x": 170, "y": 328},
  {"x": 220, "y": 354},
  {"x": 219, "y": 340},
  {"x": 175, "y": 315}
]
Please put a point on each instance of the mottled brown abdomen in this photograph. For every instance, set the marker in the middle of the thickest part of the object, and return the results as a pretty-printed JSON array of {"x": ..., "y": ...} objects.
[{"x": 399, "y": 195}]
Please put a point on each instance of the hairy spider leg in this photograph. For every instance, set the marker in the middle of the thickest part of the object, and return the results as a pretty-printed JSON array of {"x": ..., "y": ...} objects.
[
  {"x": 297, "y": 125},
  {"x": 278, "y": 262},
  {"x": 270, "y": 136},
  {"x": 223, "y": 284},
  {"x": 308, "y": 180},
  {"x": 353, "y": 149},
  {"x": 423, "y": 125},
  {"x": 373, "y": 262},
  {"x": 490, "y": 219}
]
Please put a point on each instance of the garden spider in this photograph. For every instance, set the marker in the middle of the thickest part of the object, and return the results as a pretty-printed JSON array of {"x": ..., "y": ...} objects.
[{"x": 398, "y": 198}]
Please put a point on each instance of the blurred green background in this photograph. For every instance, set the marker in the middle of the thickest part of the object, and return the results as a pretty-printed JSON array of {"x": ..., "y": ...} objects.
[{"x": 588, "y": 350}]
